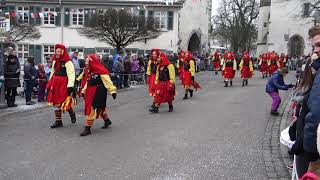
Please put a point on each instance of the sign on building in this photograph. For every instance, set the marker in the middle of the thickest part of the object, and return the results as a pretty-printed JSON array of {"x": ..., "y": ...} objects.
[{"x": 4, "y": 25}]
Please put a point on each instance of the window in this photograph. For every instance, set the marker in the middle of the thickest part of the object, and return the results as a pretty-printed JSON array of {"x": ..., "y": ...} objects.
[
  {"x": 48, "y": 51},
  {"x": 77, "y": 17},
  {"x": 161, "y": 19},
  {"x": 102, "y": 51},
  {"x": 48, "y": 18},
  {"x": 23, "y": 14},
  {"x": 80, "y": 52},
  {"x": 23, "y": 53}
]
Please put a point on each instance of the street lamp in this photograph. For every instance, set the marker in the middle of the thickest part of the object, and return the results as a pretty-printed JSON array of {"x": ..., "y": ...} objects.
[{"x": 2, "y": 61}]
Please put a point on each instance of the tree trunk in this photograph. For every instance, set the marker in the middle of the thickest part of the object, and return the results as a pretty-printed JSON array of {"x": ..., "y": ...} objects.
[{"x": 118, "y": 48}]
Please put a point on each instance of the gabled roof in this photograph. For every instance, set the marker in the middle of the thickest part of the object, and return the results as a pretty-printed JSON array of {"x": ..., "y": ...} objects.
[{"x": 117, "y": 3}]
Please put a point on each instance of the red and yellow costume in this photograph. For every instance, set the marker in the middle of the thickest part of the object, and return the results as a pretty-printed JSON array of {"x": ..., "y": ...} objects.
[
  {"x": 273, "y": 63},
  {"x": 61, "y": 84},
  {"x": 263, "y": 64},
  {"x": 189, "y": 72},
  {"x": 180, "y": 64},
  {"x": 216, "y": 62},
  {"x": 229, "y": 68},
  {"x": 246, "y": 68},
  {"x": 151, "y": 71},
  {"x": 165, "y": 84},
  {"x": 97, "y": 84},
  {"x": 282, "y": 61}
]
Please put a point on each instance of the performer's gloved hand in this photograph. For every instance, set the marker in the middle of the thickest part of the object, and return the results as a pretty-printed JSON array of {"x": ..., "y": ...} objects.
[
  {"x": 114, "y": 95},
  {"x": 70, "y": 90}
]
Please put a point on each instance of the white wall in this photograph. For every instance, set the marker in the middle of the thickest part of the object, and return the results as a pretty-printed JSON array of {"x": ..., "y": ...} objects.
[
  {"x": 286, "y": 19},
  {"x": 262, "y": 32}
]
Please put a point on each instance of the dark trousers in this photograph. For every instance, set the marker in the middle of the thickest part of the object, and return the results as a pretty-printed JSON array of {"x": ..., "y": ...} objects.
[
  {"x": 118, "y": 78},
  {"x": 11, "y": 95},
  {"x": 125, "y": 80},
  {"x": 28, "y": 89}
]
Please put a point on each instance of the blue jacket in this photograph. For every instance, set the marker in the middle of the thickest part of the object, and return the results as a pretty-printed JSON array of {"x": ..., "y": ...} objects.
[
  {"x": 275, "y": 83},
  {"x": 312, "y": 118}
]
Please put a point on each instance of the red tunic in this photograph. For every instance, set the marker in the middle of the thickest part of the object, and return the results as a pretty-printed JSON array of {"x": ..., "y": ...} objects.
[{"x": 245, "y": 71}]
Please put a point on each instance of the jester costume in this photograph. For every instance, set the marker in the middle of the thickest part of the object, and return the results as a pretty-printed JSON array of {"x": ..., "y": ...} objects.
[
  {"x": 189, "y": 73},
  {"x": 165, "y": 84},
  {"x": 246, "y": 68},
  {"x": 61, "y": 85},
  {"x": 151, "y": 72},
  {"x": 263, "y": 64},
  {"x": 216, "y": 62},
  {"x": 180, "y": 64},
  {"x": 229, "y": 68},
  {"x": 95, "y": 85},
  {"x": 273, "y": 63}
]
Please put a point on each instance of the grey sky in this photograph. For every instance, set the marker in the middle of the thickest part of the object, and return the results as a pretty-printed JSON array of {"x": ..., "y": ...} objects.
[{"x": 215, "y": 4}]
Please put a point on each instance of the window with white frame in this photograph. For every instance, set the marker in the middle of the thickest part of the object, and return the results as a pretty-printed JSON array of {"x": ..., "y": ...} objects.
[
  {"x": 23, "y": 14},
  {"x": 161, "y": 18},
  {"x": 79, "y": 50},
  {"x": 23, "y": 53},
  {"x": 48, "y": 18},
  {"x": 102, "y": 51},
  {"x": 48, "y": 51},
  {"x": 77, "y": 17}
]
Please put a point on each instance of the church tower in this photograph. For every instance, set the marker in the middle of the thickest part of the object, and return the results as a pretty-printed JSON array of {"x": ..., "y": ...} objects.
[{"x": 263, "y": 26}]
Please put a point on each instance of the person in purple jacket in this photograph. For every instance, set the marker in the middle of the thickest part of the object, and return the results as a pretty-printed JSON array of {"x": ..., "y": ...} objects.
[{"x": 275, "y": 83}]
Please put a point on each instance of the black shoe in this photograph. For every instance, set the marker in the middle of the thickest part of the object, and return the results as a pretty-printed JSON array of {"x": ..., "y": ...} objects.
[
  {"x": 225, "y": 83},
  {"x": 231, "y": 83},
  {"x": 73, "y": 117},
  {"x": 170, "y": 108},
  {"x": 56, "y": 124},
  {"x": 12, "y": 105},
  {"x": 86, "y": 131},
  {"x": 216, "y": 72},
  {"x": 191, "y": 92},
  {"x": 274, "y": 113},
  {"x": 107, "y": 123},
  {"x": 154, "y": 110},
  {"x": 152, "y": 106},
  {"x": 30, "y": 103},
  {"x": 185, "y": 97}
]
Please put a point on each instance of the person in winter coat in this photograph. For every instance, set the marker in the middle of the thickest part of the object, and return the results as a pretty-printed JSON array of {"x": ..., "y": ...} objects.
[
  {"x": 30, "y": 73},
  {"x": 127, "y": 71},
  {"x": 43, "y": 79},
  {"x": 12, "y": 81},
  {"x": 275, "y": 83}
]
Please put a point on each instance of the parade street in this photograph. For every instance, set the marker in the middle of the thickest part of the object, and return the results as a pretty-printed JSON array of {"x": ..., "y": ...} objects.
[{"x": 217, "y": 134}]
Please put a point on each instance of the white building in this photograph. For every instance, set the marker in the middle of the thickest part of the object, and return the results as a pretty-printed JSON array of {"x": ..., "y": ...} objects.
[
  {"x": 185, "y": 24},
  {"x": 282, "y": 27}
]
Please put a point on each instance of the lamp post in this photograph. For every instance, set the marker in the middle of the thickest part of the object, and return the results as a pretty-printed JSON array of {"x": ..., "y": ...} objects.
[{"x": 2, "y": 61}]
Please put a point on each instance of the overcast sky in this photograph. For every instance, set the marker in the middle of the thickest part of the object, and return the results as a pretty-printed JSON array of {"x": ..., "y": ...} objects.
[{"x": 215, "y": 4}]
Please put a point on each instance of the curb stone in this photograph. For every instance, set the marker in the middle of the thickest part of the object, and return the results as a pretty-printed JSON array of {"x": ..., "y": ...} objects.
[{"x": 272, "y": 152}]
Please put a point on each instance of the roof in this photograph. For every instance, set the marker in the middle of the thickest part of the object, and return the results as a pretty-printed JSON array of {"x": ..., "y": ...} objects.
[{"x": 116, "y": 3}]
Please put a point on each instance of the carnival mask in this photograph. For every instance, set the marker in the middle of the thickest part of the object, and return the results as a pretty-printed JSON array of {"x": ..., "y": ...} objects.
[
  {"x": 154, "y": 55},
  {"x": 59, "y": 52}
]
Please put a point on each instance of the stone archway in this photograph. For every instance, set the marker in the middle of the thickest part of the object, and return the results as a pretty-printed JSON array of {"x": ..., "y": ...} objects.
[
  {"x": 194, "y": 43},
  {"x": 296, "y": 46}
]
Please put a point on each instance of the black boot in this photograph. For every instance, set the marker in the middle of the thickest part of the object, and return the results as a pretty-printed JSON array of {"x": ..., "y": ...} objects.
[
  {"x": 86, "y": 131},
  {"x": 185, "y": 96},
  {"x": 154, "y": 110},
  {"x": 107, "y": 123},
  {"x": 231, "y": 83},
  {"x": 152, "y": 106},
  {"x": 170, "y": 108},
  {"x": 73, "y": 116},
  {"x": 247, "y": 82},
  {"x": 216, "y": 72},
  {"x": 56, "y": 124},
  {"x": 191, "y": 92},
  {"x": 10, "y": 102},
  {"x": 243, "y": 82},
  {"x": 225, "y": 83}
]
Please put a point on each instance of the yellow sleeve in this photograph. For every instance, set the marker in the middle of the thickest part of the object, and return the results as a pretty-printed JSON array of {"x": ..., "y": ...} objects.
[
  {"x": 260, "y": 62},
  {"x": 192, "y": 68},
  {"x": 241, "y": 64},
  {"x": 80, "y": 76},
  {"x": 222, "y": 62},
  {"x": 234, "y": 65},
  {"x": 172, "y": 73},
  {"x": 84, "y": 88},
  {"x": 251, "y": 66},
  {"x": 52, "y": 69},
  {"x": 149, "y": 68},
  {"x": 70, "y": 73},
  {"x": 178, "y": 62},
  {"x": 157, "y": 75},
  {"x": 108, "y": 83}
]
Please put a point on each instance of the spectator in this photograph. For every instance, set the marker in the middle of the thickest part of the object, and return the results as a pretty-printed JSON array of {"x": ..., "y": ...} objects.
[
  {"x": 75, "y": 61},
  {"x": 134, "y": 68},
  {"x": 29, "y": 79},
  {"x": 127, "y": 71},
  {"x": 12, "y": 81},
  {"x": 48, "y": 67},
  {"x": 272, "y": 88},
  {"x": 42, "y": 82},
  {"x": 118, "y": 69}
]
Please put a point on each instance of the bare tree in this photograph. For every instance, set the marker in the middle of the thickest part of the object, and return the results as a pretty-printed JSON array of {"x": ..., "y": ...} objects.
[
  {"x": 120, "y": 28},
  {"x": 236, "y": 23}
]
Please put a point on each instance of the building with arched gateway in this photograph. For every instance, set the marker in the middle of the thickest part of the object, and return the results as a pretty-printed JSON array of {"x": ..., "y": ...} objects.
[
  {"x": 282, "y": 27},
  {"x": 184, "y": 25}
]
